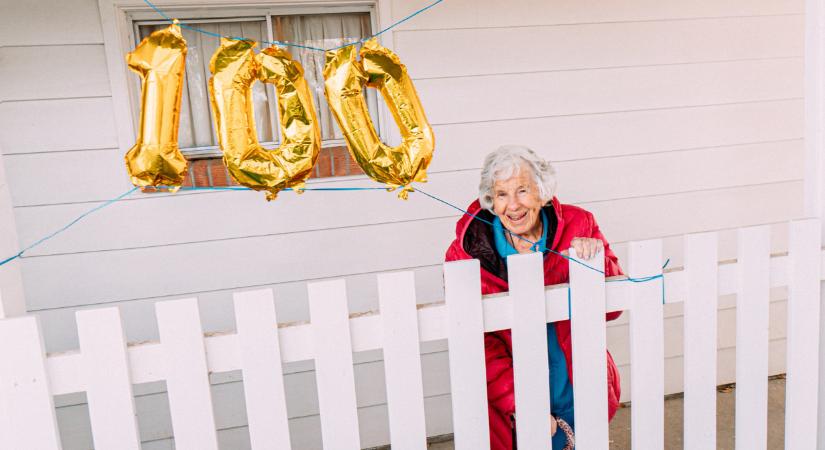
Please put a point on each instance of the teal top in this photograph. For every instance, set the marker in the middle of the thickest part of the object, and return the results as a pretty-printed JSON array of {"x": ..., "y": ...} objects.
[{"x": 561, "y": 391}]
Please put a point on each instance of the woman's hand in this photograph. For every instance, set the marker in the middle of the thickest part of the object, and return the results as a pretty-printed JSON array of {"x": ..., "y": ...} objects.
[
  {"x": 553, "y": 425},
  {"x": 586, "y": 248}
]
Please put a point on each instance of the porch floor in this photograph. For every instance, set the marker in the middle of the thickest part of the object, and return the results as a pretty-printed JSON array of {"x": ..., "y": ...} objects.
[{"x": 725, "y": 407}]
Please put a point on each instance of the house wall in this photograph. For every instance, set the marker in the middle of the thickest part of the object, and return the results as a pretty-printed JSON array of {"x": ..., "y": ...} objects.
[{"x": 662, "y": 117}]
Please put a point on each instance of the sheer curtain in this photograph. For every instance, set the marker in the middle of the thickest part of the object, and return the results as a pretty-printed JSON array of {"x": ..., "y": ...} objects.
[
  {"x": 317, "y": 30},
  {"x": 324, "y": 31},
  {"x": 196, "y": 124}
]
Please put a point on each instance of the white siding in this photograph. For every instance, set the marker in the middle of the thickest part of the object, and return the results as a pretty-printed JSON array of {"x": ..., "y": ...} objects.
[{"x": 664, "y": 117}]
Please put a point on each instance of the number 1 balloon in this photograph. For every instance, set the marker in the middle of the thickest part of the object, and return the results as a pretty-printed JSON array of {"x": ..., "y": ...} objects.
[{"x": 155, "y": 159}]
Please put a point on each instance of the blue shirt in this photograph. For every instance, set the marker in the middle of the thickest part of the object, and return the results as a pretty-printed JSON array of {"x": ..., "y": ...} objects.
[{"x": 561, "y": 391}]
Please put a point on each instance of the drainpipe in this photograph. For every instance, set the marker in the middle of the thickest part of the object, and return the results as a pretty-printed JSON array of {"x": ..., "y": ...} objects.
[
  {"x": 814, "y": 181},
  {"x": 12, "y": 302}
]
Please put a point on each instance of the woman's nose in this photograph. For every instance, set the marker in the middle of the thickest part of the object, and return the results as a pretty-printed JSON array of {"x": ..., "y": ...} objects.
[{"x": 512, "y": 203}]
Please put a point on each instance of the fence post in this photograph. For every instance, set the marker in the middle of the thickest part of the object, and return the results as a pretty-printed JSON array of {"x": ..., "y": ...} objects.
[
  {"x": 187, "y": 375},
  {"x": 530, "y": 366},
  {"x": 701, "y": 264},
  {"x": 589, "y": 337},
  {"x": 402, "y": 360},
  {"x": 263, "y": 378},
  {"x": 333, "y": 365},
  {"x": 814, "y": 180},
  {"x": 27, "y": 415},
  {"x": 647, "y": 385},
  {"x": 107, "y": 377},
  {"x": 465, "y": 339},
  {"x": 752, "y": 325},
  {"x": 801, "y": 389}
]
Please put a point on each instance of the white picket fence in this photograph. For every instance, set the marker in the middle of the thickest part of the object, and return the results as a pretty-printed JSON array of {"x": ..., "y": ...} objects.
[{"x": 105, "y": 367}]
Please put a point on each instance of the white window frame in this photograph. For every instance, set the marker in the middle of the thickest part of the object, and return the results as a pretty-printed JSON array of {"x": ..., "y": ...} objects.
[{"x": 119, "y": 21}]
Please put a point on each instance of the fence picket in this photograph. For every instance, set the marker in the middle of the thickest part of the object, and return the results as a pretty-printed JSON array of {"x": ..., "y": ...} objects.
[
  {"x": 108, "y": 381},
  {"x": 402, "y": 360},
  {"x": 465, "y": 339},
  {"x": 530, "y": 367},
  {"x": 802, "y": 385},
  {"x": 701, "y": 262},
  {"x": 752, "y": 311},
  {"x": 333, "y": 364},
  {"x": 587, "y": 294},
  {"x": 647, "y": 385},
  {"x": 27, "y": 415},
  {"x": 187, "y": 376},
  {"x": 263, "y": 378}
]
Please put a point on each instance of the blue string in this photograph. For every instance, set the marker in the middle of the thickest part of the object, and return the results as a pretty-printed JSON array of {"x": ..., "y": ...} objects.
[
  {"x": 287, "y": 44},
  {"x": 243, "y": 188},
  {"x": 69, "y": 225},
  {"x": 125, "y": 194},
  {"x": 545, "y": 248}
]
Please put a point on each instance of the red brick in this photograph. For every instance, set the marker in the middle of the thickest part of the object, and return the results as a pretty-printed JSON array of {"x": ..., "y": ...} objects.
[
  {"x": 220, "y": 177},
  {"x": 199, "y": 169}
]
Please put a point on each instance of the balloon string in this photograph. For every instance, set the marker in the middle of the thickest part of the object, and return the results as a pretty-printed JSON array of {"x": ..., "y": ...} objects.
[
  {"x": 544, "y": 248},
  {"x": 130, "y": 191},
  {"x": 239, "y": 188},
  {"x": 69, "y": 225},
  {"x": 288, "y": 44}
]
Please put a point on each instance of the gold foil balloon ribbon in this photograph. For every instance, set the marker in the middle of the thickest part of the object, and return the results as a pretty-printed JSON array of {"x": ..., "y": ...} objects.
[
  {"x": 155, "y": 159},
  {"x": 234, "y": 68},
  {"x": 379, "y": 68}
]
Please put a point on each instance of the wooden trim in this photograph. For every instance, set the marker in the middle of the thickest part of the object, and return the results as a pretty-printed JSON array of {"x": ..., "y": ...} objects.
[{"x": 12, "y": 301}]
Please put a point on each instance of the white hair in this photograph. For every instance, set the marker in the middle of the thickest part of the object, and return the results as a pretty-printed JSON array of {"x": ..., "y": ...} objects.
[{"x": 506, "y": 161}]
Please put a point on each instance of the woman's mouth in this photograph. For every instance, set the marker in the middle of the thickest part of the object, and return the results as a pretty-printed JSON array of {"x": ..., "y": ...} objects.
[{"x": 517, "y": 217}]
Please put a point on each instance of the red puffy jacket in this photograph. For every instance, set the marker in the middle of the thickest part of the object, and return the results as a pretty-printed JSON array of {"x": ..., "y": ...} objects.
[{"x": 474, "y": 240}]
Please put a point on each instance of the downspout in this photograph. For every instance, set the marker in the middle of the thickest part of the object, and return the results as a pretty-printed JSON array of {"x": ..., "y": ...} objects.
[{"x": 814, "y": 170}]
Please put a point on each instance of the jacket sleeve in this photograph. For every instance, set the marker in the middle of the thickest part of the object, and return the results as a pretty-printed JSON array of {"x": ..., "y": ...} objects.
[
  {"x": 500, "y": 392},
  {"x": 611, "y": 262}
]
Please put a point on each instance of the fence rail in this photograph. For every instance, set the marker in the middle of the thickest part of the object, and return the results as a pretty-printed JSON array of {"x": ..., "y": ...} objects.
[{"x": 106, "y": 367}]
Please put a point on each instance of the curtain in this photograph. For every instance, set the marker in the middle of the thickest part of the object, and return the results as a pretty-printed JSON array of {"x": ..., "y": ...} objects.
[
  {"x": 324, "y": 31},
  {"x": 318, "y": 30},
  {"x": 196, "y": 124}
]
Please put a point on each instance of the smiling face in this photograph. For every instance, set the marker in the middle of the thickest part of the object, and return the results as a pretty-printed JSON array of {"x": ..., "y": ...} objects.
[{"x": 517, "y": 203}]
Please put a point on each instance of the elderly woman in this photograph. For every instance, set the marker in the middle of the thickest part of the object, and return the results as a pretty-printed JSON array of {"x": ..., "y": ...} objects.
[{"x": 516, "y": 196}]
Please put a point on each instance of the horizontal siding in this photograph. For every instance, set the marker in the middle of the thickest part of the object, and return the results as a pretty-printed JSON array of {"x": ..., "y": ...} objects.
[
  {"x": 100, "y": 277},
  {"x": 52, "y": 72},
  {"x": 235, "y": 215},
  {"x": 600, "y": 135},
  {"x": 56, "y": 125},
  {"x": 512, "y": 96},
  {"x": 24, "y": 24},
  {"x": 459, "y": 147},
  {"x": 519, "y": 13},
  {"x": 467, "y": 51}
]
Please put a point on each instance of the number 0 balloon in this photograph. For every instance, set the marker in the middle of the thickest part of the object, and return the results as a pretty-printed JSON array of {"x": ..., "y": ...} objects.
[
  {"x": 234, "y": 68},
  {"x": 345, "y": 79}
]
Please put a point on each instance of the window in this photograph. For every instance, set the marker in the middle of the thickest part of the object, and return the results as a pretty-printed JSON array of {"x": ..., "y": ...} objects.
[{"x": 197, "y": 137}]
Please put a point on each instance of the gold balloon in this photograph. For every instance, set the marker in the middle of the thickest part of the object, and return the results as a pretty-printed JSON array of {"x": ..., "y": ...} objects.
[
  {"x": 155, "y": 159},
  {"x": 379, "y": 68},
  {"x": 234, "y": 68}
]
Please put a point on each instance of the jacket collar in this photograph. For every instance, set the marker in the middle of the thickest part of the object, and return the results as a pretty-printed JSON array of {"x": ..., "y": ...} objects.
[{"x": 475, "y": 235}]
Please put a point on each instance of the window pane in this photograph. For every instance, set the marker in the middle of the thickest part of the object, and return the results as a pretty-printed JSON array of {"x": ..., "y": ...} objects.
[
  {"x": 324, "y": 31},
  {"x": 196, "y": 125}
]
